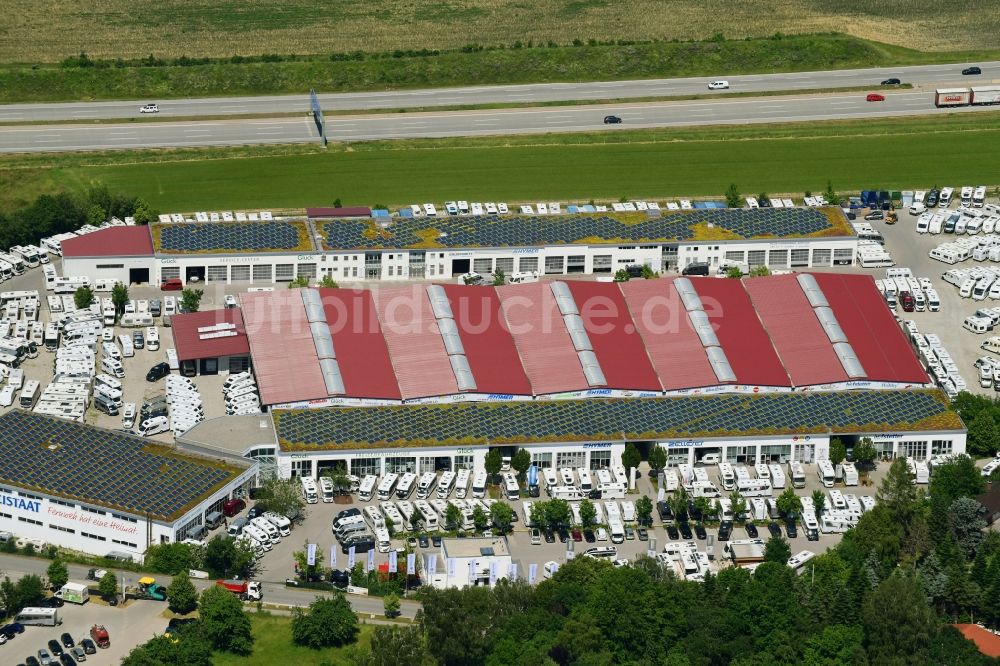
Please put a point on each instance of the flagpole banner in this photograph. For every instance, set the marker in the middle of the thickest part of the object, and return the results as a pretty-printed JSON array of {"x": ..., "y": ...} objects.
[
  {"x": 451, "y": 567},
  {"x": 411, "y": 564},
  {"x": 393, "y": 562},
  {"x": 432, "y": 566},
  {"x": 311, "y": 554},
  {"x": 472, "y": 571},
  {"x": 371, "y": 560},
  {"x": 660, "y": 495},
  {"x": 333, "y": 557},
  {"x": 569, "y": 555},
  {"x": 350, "y": 557},
  {"x": 493, "y": 573},
  {"x": 512, "y": 571},
  {"x": 532, "y": 573}
]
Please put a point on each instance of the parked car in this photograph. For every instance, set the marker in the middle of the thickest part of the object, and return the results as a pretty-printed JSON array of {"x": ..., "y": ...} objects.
[
  {"x": 550, "y": 536},
  {"x": 774, "y": 528},
  {"x": 149, "y": 108},
  {"x": 891, "y": 82},
  {"x": 577, "y": 534},
  {"x": 589, "y": 536},
  {"x": 725, "y": 530},
  {"x": 602, "y": 534},
  {"x": 172, "y": 284},
  {"x": 971, "y": 71},
  {"x": 875, "y": 215},
  {"x": 612, "y": 120},
  {"x": 424, "y": 541},
  {"x": 699, "y": 531},
  {"x": 672, "y": 532},
  {"x": 89, "y": 646},
  {"x": 751, "y": 530},
  {"x": 157, "y": 372},
  {"x": 643, "y": 534},
  {"x": 630, "y": 534},
  {"x": 791, "y": 529},
  {"x": 685, "y": 528},
  {"x": 436, "y": 541},
  {"x": 875, "y": 97},
  {"x": 536, "y": 537},
  {"x": 67, "y": 640}
]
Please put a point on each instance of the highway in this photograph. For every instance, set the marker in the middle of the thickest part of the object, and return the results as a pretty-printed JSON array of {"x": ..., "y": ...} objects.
[
  {"x": 47, "y": 138},
  {"x": 920, "y": 75},
  {"x": 275, "y": 592}
]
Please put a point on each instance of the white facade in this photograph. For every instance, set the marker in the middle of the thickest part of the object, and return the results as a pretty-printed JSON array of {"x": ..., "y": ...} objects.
[{"x": 94, "y": 530}]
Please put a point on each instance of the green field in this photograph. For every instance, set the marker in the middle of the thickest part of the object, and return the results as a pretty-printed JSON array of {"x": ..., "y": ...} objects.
[
  {"x": 792, "y": 158},
  {"x": 49, "y": 30},
  {"x": 273, "y": 646}
]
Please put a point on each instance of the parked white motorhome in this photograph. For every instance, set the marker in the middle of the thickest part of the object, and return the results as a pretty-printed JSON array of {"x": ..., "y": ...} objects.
[
  {"x": 849, "y": 473},
  {"x": 479, "y": 485},
  {"x": 446, "y": 484},
  {"x": 777, "y": 476},
  {"x": 825, "y": 473},
  {"x": 727, "y": 476},
  {"x": 407, "y": 482},
  {"x": 462, "y": 482},
  {"x": 754, "y": 487},
  {"x": 387, "y": 485},
  {"x": 367, "y": 488},
  {"x": 797, "y": 473}
]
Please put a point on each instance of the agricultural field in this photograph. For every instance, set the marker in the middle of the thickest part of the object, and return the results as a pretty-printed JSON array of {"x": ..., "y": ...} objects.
[
  {"x": 45, "y": 31},
  {"x": 693, "y": 162}
]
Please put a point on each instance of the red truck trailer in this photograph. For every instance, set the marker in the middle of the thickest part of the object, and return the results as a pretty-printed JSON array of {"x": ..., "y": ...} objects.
[
  {"x": 952, "y": 97},
  {"x": 248, "y": 590}
]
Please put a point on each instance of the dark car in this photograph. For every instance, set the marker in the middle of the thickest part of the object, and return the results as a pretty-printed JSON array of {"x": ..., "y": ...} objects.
[
  {"x": 346, "y": 513},
  {"x": 361, "y": 545},
  {"x": 643, "y": 534},
  {"x": 907, "y": 301},
  {"x": 50, "y": 602},
  {"x": 138, "y": 340},
  {"x": 615, "y": 120},
  {"x": 67, "y": 640},
  {"x": 630, "y": 534},
  {"x": 436, "y": 540},
  {"x": 891, "y": 82},
  {"x": 965, "y": 72},
  {"x": 424, "y": 541},
  {"x": 932, "y": 198},
  {"x": 685, "y": 528},
  {"x": 11, "y": 630},
  {"x": 699, "y": 531},
  {"x": 88, "y": 646},
  {"x": 694, "y": 511},
  {"x": 66, "y": 660},
  {"x": 577, "y": 534},
  {"x": 672, "y": 532},
  {"x": 340, "y": 578},
  {"x": 791, "y": 529},
  {"x": 31, "y": 661},
  {"x": 157, "y": 372},
  {"x": 774, "y": 528},
  {"x": 725, "y": 530},
  {"x": 55, "y": 648},
  {"x": 257, "y": 511},
  {"x": 589, "y": 536},
  {"x": 563, "y": 535},
  {"x": 595, "y": 494},
  {"x": 663, "y": 508},
  {"x": 751, "y": 530},
  {"x": 875, "y": 215},
  {"x": 550, "y": 536}
]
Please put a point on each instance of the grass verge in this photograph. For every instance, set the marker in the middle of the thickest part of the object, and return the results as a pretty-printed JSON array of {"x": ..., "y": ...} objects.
[
  {"x": 381, "y": 71},
  {"x": 273, "y": 645},
  {"x": 689, "y": 162}
]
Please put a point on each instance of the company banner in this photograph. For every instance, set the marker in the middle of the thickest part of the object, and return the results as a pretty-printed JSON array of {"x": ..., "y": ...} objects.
[
  {"x": 371, "y": 560},
  {"x": 532, "y": 573},
  {"x": 393, "y": 562},
  {"x": 311, "y": 554},
  {"x": 350, "y": 557},
  {"x": 493, "y": 573},
  {"x": 411, "y": 564},
  {"x": 333, "y": 556},
  {"x": 512, "y": 571}
]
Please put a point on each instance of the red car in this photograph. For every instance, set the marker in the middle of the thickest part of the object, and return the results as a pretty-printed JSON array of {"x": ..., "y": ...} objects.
[
  {"x": 172, "y": 284},
  {"x": 875, "y": 97},
  {"x": 577, "y": 534},
  {"x": 906, "y": 300}
]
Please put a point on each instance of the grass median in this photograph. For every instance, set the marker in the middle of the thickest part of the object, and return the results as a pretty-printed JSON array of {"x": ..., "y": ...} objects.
[
  {"x": 272, "y": 644},
  {"x": 689, "y": 162}
]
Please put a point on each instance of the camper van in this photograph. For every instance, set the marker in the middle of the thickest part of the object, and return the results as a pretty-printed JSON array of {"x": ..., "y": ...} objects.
[
  {"x": 407, "y": 483},
  {"x": 512, "y": 490},
  {"x": 754, "y": 487},
  {"x": 726, "y": 476},
  {"x": 824, "y": 471},
  {"x": 446, "y": 484},
  {"x": 387, "y": 486},
  {"x": 367, "y": 488},
  {"x": 479, "y": 485},
  {"x": 462, "y": 483},
  {"x": 425, "y": 486}
]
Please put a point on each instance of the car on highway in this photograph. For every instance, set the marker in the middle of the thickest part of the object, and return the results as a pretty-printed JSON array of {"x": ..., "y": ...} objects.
[
  {"x": 718, "y": 85},
  {"x": 149, "y": 108},
  {"x": 971, "y": 71},
  {"x": 891, "y": 82},
  {"x": 612, "y": 120},
  {"x": 875, "y": 97}
]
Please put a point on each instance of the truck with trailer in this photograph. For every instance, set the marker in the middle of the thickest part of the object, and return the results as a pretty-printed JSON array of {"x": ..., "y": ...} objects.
[
  {"x": 975, "y": 96},
  {"x": 246, "y": 590}
]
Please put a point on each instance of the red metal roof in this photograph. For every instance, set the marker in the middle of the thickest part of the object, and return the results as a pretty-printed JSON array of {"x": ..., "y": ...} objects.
[
  {"x": 133, "y": 241},
  {"x": 871, "y": 328},
  {"x": 488, "y": 344},
  {"x": 544, "y": 345},
  {"x": 414, "y": 341},
  {"x": 361, "y": 349},
  {"x": 672, "y": 344},
  {"x": 987, "y": 642},
  {"x": 740, "y": 333},
  {"x": 284, "y": 354},
  {"x": 802, "y": 344},
  {"x": 344, "y": 211},
  {"x": 191, "y": 344},
  {"x": 613, "y": 336}
]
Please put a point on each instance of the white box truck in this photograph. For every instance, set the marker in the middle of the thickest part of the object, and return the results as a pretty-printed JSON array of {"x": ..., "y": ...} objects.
[{"x": 74, "y": 593}]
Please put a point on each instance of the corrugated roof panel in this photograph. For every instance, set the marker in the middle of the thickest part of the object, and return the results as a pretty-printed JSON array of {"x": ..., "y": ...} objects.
[
  {"x": 564, "y": 298},
  {"x": 852, "y": 366},
  {"x": 672, "y": 347},
  {"x": 550, "y": 361},
  {"x": 800, "y": 340},
  {"x": 331, "y": 376},
  {"x": 463, "y": 373},
  {"x": 439, "y": 302},
  {"x": 720, "y": 365},
  {"x": 812, "y": 291}
]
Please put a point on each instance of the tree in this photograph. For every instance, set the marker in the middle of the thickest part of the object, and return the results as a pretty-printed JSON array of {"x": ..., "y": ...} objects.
[
  {"x": 57, "y": 574},
  {"x": 838, "y": 452},
  {"x": 169, "y": 651},
  {"x": 540, "y": 515},
  {"x": 328, "y": 622},
  {"x": 559, "y": 513},
  {"x": 339, "y": 478},
  {"x": 648, "y": 273},
  {"x": 819, "y": 499},
  {"x": 96, "y": 216},
  {"x": 899, "y": 625},
  {"x": 27, "y": 591},
  {"x": 657, "y": 458},
  {"x": 789, "y": 503},
  {"x": 983, "y": 434},
  {"x": 119, "y": 297},
  {"x": 452, "y": 517},
  {"x": 631, "y": 457},
  {"x": 621, "y": 275},
  {"x": 965, "y": 518},
  {"x": 226, "y": 557},
  {"x": 959, "y": 477},
  {"x": 225, "y": 625},
  {"x": 588, "y": 514},
  {"x": 108, "y": 586},
  {"x": 777, "y": 550},
  {"x": 760, "y": 271},
  {"x": 392, "y": 646},
  {"x": 831, "y": 196},
  {"x": 479, "y": 518},
  {"x": 836, "y": 645},
  {"x": 301, "y": 282},
  {"x": 502, "y": 515},
  {"x": 897, "y": 492},
  {"x": 144, "y": 213},
  {"x": 173, "y": 558},
  {"x": 191, "y": 299},
  {"x": 643, "y": 510},
  {"x": 282, "y": 496},
  {"x": 738, "y": 505},
  {"x": 734, "y": 272},
  {"x": 763, "y": 196},
  {"x": 83, "y": 297},
  {"x": 499, "y": 279},
  {"x": 521, "y": 461},
  {"x": 390, "y": 603},
  {"x": 733, "y": 198},
  {"x": 182, "y": 598},
  {"x": 865, "y": 453},
  {"x": 493, "y": 463},
  {"x": 328, "y": 282}
]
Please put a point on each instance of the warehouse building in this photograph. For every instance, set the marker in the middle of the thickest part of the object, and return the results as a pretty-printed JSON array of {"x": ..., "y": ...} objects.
[
  {"x": 366, "y": 248},
  {"x": 211, "y": 342},
  {"x": 105, "y": 492}
]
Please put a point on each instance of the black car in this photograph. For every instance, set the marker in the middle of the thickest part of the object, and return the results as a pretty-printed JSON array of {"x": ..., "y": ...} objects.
[
  {"x": 891, "y": 82},
  {"x": 932, "y": 198},
  {"x": 791, "y": 529},
  {"x": 774, "y": 528},
  {"x": 424, "y": 541},
  {"x": 436, "y": 540},
  {"x": 663, "y": 508},
  {"x": 685, "y": 530},
  {"x": 725, "y": 530},
  {"x": 138, "y": 340},
  {"x": 67, "y": 640},
  {"x": 699, "y": 531},
  {"x": 694, "y": 511},
  {"x": 595, "y": 494},
  {"x": 346, "y": 513},
  {"x": 340, "y": 578},
  {"x": 965, "y": 72},
  {"x": 66, "y": 660},
  {"x": 55, "y": 648},
  {"x": 615, "y": 120},
  {"x": 550, "y": 536},
  {"x": 589, "y": 536},
  {"x": 30, "y": 660},
  {"x": 563, "y": 535},
  {"x": 50, "y": 602},
  {"x": 157, "y": 372},
  {"x": 88, "y": 646},
  {"x": 11, "y": 630},
  {"x": 672, "y": 532},
  {"x": 256, "y": 511},
  {"x": 751, "y": 530},
  {"x": 643, "y": 534}
]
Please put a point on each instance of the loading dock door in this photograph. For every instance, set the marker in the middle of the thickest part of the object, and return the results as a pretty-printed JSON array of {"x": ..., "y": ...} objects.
[
  {"x": 138, "y": 275},
  {"x": 461, "y": 266}
]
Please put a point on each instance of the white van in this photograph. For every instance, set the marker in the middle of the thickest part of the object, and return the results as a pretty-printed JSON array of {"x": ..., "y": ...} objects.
[
  {"x": 462, "y": 483},
  {"x": 267, "y": 527},
  {"x": 152, "y": 338},
  {"x": 112, "y": 367}
]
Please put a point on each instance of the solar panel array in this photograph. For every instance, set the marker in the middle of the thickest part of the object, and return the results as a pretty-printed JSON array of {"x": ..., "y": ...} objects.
[
  {"x": 599, "y": 419},
  {"x": 236, "y": 237},
  {"x": 101, "y": 467},
  {"x": 531, "y": 230}
]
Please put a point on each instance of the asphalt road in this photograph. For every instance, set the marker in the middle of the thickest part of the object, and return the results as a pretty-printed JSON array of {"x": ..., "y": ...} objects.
[
  {"x": 465, "y": 123},
  {"x": 922, "y": 75},
  {"x": 274, "y": 592}
]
